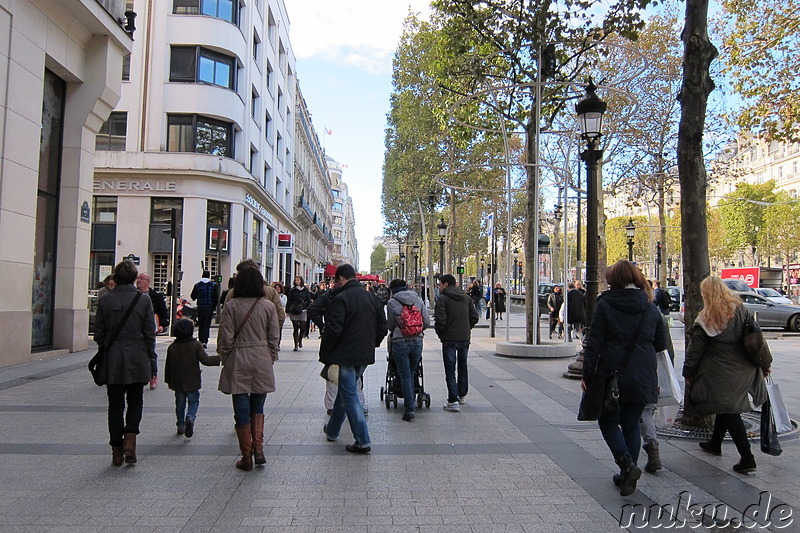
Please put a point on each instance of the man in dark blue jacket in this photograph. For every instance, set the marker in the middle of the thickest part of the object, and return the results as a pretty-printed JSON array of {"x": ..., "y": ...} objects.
[
  {"x": 206, "y": 295},
  {"x": 354, "y": 326}
]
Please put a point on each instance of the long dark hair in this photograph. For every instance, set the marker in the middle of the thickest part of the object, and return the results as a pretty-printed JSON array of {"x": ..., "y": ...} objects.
[{"x": 249, "y": 283}]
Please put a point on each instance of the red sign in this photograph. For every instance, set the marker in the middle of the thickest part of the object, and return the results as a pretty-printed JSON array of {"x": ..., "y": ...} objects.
[
  {"x": 284, "y": 240},
  {"x": 750, "y": 275}
]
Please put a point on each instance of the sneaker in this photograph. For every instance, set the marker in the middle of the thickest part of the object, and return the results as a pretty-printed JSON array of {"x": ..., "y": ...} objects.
[
  {"x": 352, "y": 448},
  {"x": 453, "y": 407},
  {"x": 181, "y": 429},
  {"x": 189, "y": 428},
  {"x": 462, "y": 400},
  {"x": 408, "y": 417}
]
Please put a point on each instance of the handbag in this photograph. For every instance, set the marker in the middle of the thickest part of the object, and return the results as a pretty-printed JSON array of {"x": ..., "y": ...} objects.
[
  {"x": 330, "y": 373},
  {"x": 769, "y": 434},
  {"x": 97, "y": 365},
  {"x": 601, "y": 397},
  {"x": 754, "y": 344}
]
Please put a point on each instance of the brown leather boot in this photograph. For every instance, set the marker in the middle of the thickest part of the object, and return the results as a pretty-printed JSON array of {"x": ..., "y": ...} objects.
[
  {"x": 117, "y": 455},
  {"x": 653, "y": 457},
  {"x": 257, "y": 427},
  {"x": 246, "y": 447},
  {"x": 129, "y": 447}
]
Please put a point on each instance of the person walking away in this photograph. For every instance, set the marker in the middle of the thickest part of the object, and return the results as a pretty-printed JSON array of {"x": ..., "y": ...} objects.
[
  {"x": 554, "y": 302},
  {"x": 182, "y": 374},
  {"x": 625, "y": 325},
  {"x": 455, "y": 316},
  {"x": 576, "y": 312},
  {"x": 355, "y": 325},
  {"x": 383, "y": 293},
  {"x": 313, "y": 290},
  {"x": 248, "y": 344},
  {"x": 475, "y": 294},
  {"x": 130, "y": 360},
  {"x": 663, "y": 301},
  {"x": 499, "y": 300},
  {"x": 206, "y": 296},
  {"x": 281, "y": 292},
  {"x": 297, "y": 302},
  {"x": 271, "y": 293},
  {"x": 406, "y": 338},
  {"x": 161, "y": 313},
  {"x": 719, "y": 376}
]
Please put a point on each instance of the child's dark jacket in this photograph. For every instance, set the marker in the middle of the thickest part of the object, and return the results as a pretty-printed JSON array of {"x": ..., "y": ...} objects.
[{"x": 182, "y": 370}]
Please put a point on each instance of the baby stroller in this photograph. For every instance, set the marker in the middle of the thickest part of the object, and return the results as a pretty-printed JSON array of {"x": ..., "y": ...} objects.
[{"x": 393, "y": 390}]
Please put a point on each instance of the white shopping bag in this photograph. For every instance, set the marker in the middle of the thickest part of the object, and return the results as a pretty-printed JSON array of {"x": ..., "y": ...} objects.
[
  {"x": 665, "y": 416},
  {"x": 669, "y": 388},
  {"x": 782, "y": 422}
]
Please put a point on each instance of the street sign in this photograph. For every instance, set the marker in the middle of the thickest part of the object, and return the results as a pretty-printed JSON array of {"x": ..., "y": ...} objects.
[{"x": 132, "y": 258}]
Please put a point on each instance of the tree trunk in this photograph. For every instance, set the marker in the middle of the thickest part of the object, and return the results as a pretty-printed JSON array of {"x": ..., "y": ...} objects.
[
  {"x": 531, "y": 235},
  {"x": 697, "y": 85}
]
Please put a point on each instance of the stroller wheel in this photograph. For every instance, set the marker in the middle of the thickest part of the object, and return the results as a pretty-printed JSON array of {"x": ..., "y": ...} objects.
[
  {"x": 419, "y": 400},
  {"x": 427, "y": 400},
  {"x": 383, "y": 392},
  {"x": 395, "y": 401}
]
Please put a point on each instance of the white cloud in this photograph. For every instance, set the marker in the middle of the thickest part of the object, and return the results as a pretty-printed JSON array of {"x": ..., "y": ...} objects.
[{"x": 361, "y": 33}]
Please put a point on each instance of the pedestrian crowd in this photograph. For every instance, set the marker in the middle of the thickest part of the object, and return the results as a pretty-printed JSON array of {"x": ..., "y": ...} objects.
[{"x": 629, "y": 333}]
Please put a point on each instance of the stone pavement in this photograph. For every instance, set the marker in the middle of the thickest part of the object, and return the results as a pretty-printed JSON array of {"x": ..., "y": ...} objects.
[{"x": 515, "y": 459}]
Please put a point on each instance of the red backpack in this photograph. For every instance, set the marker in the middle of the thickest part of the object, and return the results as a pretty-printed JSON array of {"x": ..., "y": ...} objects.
[{"x": 410, "y": 321}]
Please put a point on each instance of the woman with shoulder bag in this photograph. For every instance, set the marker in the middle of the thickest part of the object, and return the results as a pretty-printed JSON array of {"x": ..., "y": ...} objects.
[
  {"x": 719, "y": 376},
  {"x": 297, "y": 301},
  {"x": 626, "y": 332},
  {"x": 129, "y": 351},
  {"x": 248, "y": 344}
]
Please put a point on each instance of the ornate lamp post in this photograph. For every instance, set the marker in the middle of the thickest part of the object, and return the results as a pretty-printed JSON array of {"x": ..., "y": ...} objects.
[
  {"x": 441, "y": 227},
  {"x": 402, "y": 266},
  {"x": 557, "y": 215},
  {"x": 415, "y": 252},
  {"x": 590, "y": 112},
  {"x": 516, "y": 268},
  {"x": 630, "y": 231},
  {"x": 483, "y": 267}
]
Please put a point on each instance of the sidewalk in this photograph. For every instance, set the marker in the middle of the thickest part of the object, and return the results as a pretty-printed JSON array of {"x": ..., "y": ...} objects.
[{"x": 515, "y": 459}]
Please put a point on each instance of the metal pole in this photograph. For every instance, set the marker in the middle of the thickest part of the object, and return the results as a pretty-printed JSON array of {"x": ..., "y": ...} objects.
[
  {"x": 592, "y": 156},
  {"x": 630, "y": 249},
  {"x": 441, "y": 256}
]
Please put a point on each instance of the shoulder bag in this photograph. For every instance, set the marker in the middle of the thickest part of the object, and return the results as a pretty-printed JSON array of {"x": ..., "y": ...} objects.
[
  {"x": 97, "y": 365},
  {"x": 601, "y": 397},
  {"x": 754, "y": 344}
]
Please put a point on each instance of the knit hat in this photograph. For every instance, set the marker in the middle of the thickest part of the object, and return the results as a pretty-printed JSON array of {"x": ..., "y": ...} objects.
[{"x": 184, "y": 329}]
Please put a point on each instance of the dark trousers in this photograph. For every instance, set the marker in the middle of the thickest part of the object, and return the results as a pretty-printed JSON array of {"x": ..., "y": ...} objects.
[
  {"x": 731, "y": 422},
  {"x": 204, "y": 316},
  {"x": 621, "y": 430},
  {"x": 553, "y": 323},
  {"x": 120, "y": 422}
]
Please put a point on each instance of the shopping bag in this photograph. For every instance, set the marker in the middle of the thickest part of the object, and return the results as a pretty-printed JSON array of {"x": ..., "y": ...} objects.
[
  {"x": 665, "y": 416},
  {"x": 782, "y": 422},
  {"x": 769, "y": 435},
  {"x": 669, "y": 388}
]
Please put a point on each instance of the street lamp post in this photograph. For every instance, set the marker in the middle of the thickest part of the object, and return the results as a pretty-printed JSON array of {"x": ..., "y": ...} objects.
[
  {"x": 483, "y": 267},
  {"x": 441, "y": 227},
  {"x": 557, "y": 214},
  {"x": 402, "y": 266},
  {"x": 590, "y": 112},
  {"x": 415, "y": 252},
  {"x": 516, "y": 287},
  {"x": 630, "y": 231}
]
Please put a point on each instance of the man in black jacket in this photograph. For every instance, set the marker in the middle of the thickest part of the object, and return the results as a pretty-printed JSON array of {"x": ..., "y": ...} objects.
[
  {"x": 455, "y": 317},
  {"x": 354, "y": 326}
]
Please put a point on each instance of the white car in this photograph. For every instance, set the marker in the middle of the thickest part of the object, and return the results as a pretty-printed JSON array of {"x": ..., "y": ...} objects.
[{"x": 774, "y": 296}]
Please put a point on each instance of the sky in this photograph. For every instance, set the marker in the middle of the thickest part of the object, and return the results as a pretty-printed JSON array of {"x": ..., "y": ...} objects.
[{"x": 344, "y": 52}]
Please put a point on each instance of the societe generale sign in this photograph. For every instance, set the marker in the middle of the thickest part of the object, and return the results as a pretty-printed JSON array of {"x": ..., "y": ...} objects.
[{"x": 750, "y": 275}]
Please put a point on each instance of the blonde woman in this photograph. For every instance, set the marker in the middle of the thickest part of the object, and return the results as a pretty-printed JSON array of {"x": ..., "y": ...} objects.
[{"x": 719, "y": 376}]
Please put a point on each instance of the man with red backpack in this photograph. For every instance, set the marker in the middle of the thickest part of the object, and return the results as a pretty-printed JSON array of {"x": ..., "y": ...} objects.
[{"x": 406, "y": 318}]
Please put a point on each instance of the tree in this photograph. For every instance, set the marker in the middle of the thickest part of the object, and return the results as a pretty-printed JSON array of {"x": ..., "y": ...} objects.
[
  {"x": 742, "y": 214},
  {"x": 377, "y": 259},
  {"x": 761, "y": 41},
  {"x": 780, "y": 233}
]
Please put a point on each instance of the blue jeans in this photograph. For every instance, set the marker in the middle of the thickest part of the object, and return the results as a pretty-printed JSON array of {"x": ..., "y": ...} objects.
[
  {"x": 347, "y": 405},
  {"x": 454, "y": 354},
  {"x": 621, "y": 431},
  {"x": 245, "y": 405},
  {"x": 407, "y": 355},
  {"x": 181, "y": 399}
]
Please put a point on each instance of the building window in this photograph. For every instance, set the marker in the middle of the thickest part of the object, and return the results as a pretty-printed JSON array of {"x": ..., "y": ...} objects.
[
  {"x": 270, "y": 73},
  {"x": 267, "y": 176},
  {"x": 337, "y": 206},
  {"x": 335, "y": 193},
  {"x": 337, "y": 234},
  {"x": 195, "y": 64},
  {"x": 105, "y": 210},
  {"x": 126, "y": 67},
  {"x": 253, "y": 159},
  {"x": 222, "y": 9},
  {"x": 254, "y": 104},
  {"x": 267, "y": 126},
  {"x": 279, "y": 144},
  {"x": 337, "y": 221},
  {"x": 112, "y": 133},
  {"x": 258, "y": 244},
  {"x": 195, "y": 133},
  {"x": 256, "y": 46}
]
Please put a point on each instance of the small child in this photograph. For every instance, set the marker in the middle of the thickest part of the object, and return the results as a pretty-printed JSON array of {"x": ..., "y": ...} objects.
[{"x": 182, "y": 373}]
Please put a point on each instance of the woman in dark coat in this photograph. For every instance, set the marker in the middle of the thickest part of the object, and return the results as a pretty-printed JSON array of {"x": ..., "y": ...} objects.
[
  {"x": 499, "y": 300},
  {"x": 719, "y": 376},
  {"x": 298, "y": 300},
  {"x": 130, "y": 360},
  {"x": 623, "y": 313}
]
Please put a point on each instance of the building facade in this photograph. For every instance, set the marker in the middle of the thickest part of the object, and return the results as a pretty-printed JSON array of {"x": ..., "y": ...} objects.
[
  {"x": 345, "y": 246},
  {"x": 60, "y": 74},
  {"x": 206, "y": 127}
]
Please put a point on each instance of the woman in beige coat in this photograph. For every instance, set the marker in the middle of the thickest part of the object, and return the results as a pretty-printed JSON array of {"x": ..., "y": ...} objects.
[{"x": 248, "y": 343}]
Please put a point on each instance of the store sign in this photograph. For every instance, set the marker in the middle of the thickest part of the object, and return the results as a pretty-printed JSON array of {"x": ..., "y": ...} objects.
[
  {"x": 284, "y": 242},
  {"x": 125, "y": 185},
  {"x": 218, "y": 239},
  {"x": 260, "y": 209},
  {"x": 749, "y": 275}
]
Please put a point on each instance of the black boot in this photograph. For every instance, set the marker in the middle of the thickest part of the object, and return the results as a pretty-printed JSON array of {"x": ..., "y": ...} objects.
[
  {"x": 629, "y": 475},
  {"x": 745, "y": 465},
  {"x": 653, "y": 457}
]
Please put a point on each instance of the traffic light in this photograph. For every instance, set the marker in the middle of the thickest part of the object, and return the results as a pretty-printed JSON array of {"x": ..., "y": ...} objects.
[
  {"x": 658, "y": 252},
  {"x": 459, "y": 270},
  {"x": 173, "y": 224}
]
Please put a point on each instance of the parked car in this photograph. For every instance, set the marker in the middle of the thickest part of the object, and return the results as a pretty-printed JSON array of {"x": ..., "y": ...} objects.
[
  {"x": 773, "y": 296},
  {"x": 771, "y": 315},
  {"x": 735, "y": 284}
]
